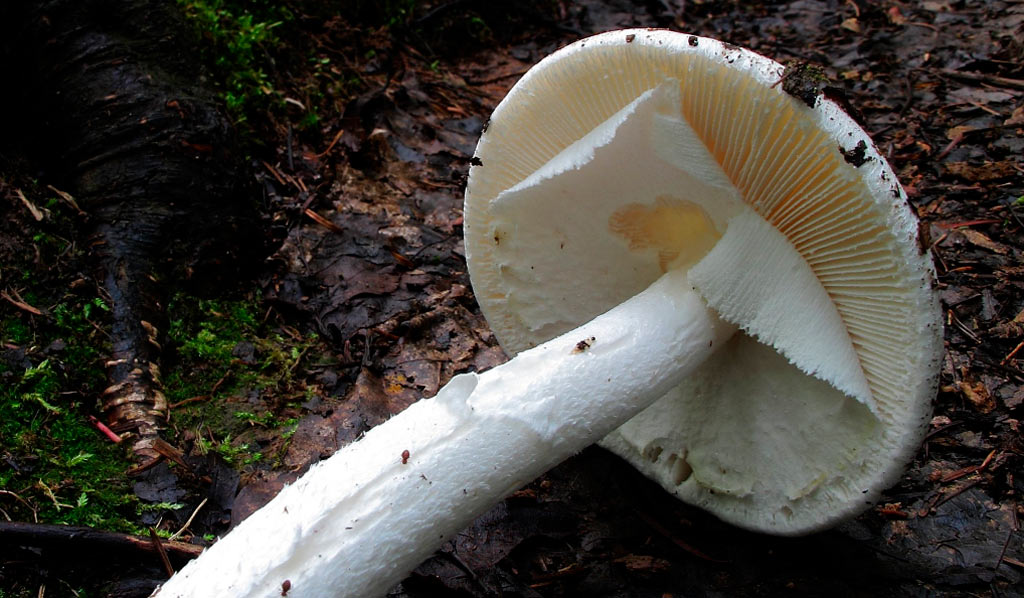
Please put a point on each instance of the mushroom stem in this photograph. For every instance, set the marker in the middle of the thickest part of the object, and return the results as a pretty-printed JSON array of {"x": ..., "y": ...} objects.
[{"x": 357, "y": 523}]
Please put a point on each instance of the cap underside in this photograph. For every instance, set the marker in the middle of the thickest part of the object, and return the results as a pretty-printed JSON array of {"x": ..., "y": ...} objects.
[{"x": 558, "y": 232}]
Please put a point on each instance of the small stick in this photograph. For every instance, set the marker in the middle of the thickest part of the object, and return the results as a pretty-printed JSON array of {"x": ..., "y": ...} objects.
[
  {"x": 330, "y": 146},
  {"x": 21, "y": 304},
  {"x": 188, "y": 401},
  {"x": 189, "y": 522},
  {"x": 658, "y": 527},
  {"x": 36, "y": 212},
  {"x": 1002, "y": 553},
  {"x": 1012, "y": 354},
  {"x": 28, "y": 505},
  {"x": 102, "y": 427},
  {"x": 274, "y": 172},
  {"x": 956, "y": 475},
  {"x": 948, "y": 497},
  {"x": 982, "y": 78},
  {"x": 163, "y": 553},
  {"x": 322, "y": 221},
  {"x": 68, "y": 198}
]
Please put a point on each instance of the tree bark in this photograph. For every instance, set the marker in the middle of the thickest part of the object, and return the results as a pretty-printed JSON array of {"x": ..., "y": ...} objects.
[{"x": 116, "y": 116}]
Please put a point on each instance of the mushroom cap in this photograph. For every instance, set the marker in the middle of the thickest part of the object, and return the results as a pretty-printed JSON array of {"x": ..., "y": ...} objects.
[{"x": 817, "y": 405}]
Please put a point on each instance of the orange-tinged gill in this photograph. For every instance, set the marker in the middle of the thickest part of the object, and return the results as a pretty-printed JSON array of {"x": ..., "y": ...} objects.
[{"x": 789, "y": 170}]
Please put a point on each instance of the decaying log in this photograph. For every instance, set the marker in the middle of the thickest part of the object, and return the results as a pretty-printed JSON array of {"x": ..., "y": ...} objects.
[
  {"x": 109, "y": 89},
  {"x": 84, "y": 543}
]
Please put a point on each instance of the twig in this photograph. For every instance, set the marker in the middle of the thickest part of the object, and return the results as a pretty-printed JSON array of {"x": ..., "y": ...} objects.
[
  {"x": 291, "y": 159},
  {"x": 160, "y": 551},
  {"x": 36, "y": 212},
  {"x": 1012, "y": 354},
  {"x": 188, "y": 401},
  {"x": 983, "y": 78},
  {"x": 102, "y": 427},
  {"x": 956, "y": 475},
  {"x": 68, "y": 198},
  {"x": 658, "y": 527},
  {"x": 331, "y": 145},
  {"x": 187, "y": 523},
  {"x": 322, "y": 221},
  {"x": 1002, "y": 553},
  {"x": 495, "y": 79},
  {"x": 953, "y": 319},
  {"x": 944, "y": 498},
  {"x": 27, "y": 504},
  {"x": 21, "y": 304}
]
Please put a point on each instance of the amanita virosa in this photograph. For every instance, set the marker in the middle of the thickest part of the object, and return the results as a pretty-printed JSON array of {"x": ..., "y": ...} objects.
[{"x": 719, "y": 280}]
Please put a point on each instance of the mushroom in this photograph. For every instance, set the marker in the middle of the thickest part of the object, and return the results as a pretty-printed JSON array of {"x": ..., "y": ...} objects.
[{"x": 689, "y": 266}]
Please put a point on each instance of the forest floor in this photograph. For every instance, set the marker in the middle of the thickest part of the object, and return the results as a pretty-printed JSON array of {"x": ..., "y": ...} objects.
[{"x": 361, "y": 149}]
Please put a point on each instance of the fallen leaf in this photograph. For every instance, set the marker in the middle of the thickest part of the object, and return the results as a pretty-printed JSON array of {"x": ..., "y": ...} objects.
[
  {"x": 978, "y": 395},
  {"x": 958, "y": 131},
  {"x": 643, "y": 562},
  {"x": 989, "y": 171},
  {"x": 980, "y": 240},
  {"x": 895, "y": 16},
  {"x": 1017, "y": 118}
]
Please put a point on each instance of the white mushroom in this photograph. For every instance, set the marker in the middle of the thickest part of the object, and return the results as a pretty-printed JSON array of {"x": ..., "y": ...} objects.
[{"x": 627, "y": 183}]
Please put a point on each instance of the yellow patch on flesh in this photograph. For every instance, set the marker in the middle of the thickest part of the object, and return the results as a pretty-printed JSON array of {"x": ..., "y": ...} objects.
[{"x": 679, "y": 231}]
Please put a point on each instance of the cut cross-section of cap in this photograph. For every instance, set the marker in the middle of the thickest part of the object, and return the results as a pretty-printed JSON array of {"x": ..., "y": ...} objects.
[{"x": 633, "y": 153}]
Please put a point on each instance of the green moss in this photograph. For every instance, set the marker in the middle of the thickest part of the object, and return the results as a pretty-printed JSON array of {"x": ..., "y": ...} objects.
[
  {"x": 238, "y": 36},
  {"x": 57, "y": 468},
  {"x": 220, "y": 352}
]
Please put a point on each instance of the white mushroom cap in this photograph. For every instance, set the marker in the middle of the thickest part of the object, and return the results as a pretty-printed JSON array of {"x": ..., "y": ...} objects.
[{"x": 633, "y": 152}]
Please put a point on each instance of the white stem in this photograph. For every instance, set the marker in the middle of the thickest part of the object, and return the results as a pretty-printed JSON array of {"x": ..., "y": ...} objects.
[{"x": 357, "y": 523}]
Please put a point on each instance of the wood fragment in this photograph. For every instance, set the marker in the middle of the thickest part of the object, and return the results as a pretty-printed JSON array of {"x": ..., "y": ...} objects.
[
  {"x": 1002, "y": 553},
  {"x": 658, "y": 527},
  {"x": 159, "y": 546},
  {"x": 942, "y": 499},
  {"x": 273, "y": 171},
  {"x": 322, "y": 221},
  {"x": 1012, "y": 354},
  {"x": 21, "y": 304},
  {"x": 330, "y": 146},
  {"x": 956, "y": 475},
  {"x": 983, "y": 78},
  {"x": 28, "y": 505},
  {"x": 188, "y": 522},
  {"x": 36, "y": 212},
  {"x": 85, "y": 542},
  {"x": 102, "y": 427},
  {"x": 67, "y": 197}
]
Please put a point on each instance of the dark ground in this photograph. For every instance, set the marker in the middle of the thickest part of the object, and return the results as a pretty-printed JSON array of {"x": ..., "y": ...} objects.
[{"x": 366, "y": 211}]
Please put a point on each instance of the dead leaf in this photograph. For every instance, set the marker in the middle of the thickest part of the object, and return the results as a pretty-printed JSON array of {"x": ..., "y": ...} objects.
[
  {"x": 1016, "y": 400},
  {"x": 958, "y": 131},
  {"x": 643, "y": 562},
  {"x": 980, "y": 240},
  {"x": 989, "y": 171},
  {"x": 1017, "y": 118},
  {"x": 1012, "y": 329},
  {"x": 978, "y": 395},
  {"x": 895, "y": 16},
  {"x": 851, "y": 24},
  {"x": 37, "y": 213}
]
